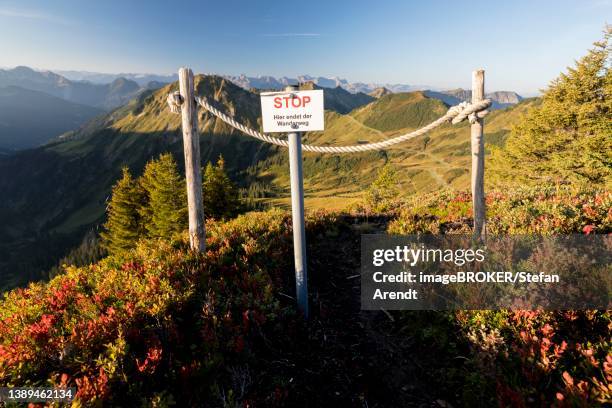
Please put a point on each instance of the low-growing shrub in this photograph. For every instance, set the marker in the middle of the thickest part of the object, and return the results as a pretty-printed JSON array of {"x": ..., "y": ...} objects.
[
  {"x": 530, "y": 358},
  {"x": 156, "y": 318},
  {"x": 523, "y": 211}
]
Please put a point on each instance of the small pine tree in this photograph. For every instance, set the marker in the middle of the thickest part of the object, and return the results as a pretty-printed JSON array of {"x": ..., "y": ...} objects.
[
  {"x": 383, "y": 193},
  {"x": 566, "y": 138},
  {"x": 166, "y": 211},
  {"x": 121, "y": 229},
  {"x": 426, "y": 141},
  {"x": 220, "y": 196}
]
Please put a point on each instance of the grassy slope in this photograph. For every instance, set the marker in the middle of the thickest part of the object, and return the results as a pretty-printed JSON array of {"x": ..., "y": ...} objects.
[{"x": 335, "y": 181}]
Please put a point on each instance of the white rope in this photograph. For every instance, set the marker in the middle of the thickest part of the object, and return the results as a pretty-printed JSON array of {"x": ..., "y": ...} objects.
[{"x": 455, "y": 114}]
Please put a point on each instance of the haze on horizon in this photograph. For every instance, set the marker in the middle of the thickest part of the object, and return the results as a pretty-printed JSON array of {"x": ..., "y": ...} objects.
[{"x": 522, "y": 45}]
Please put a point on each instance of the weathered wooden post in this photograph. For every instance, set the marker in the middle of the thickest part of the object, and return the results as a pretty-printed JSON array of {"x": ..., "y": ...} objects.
[
  {"x": 478, "y": 157},
  {"x": 193, "y": 173},
  {"x": 297, "y": 213}
]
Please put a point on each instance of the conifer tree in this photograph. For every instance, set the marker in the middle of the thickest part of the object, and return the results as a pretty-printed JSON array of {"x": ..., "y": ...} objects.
[
  {"x": 567, "y": 137},
  {"x": 121, "y": 230},
  {"x": 220, "y": 195},
  {"x": 166, "y": 211}
]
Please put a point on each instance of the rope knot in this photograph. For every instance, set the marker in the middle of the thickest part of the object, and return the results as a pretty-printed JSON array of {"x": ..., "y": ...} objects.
[
  {"x": 470, "y": 111},
  {"x": 175, "y": 100}
]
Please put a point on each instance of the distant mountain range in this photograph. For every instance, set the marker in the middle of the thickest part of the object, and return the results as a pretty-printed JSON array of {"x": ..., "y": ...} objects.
[
  {"x": 111, "y": 90},
  {"x": 76, "y": 92},
  {"x": 154, "y": 81},
  {"x": 106, "y": 96},
  {"x": 501, "y": 99},
  {"x": 103, "y": 78},
  {"x": 246, "y": 82},
  {"x": 270, "y": 82}
]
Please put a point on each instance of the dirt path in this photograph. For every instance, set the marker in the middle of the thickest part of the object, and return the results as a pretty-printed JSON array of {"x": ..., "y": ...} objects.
[{"x": 356, "y": 358}]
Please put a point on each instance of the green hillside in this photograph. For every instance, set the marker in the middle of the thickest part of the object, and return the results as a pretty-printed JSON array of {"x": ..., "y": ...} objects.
[
  {"x": 400, "y": 111},
  {"x": 439, "y": 160},
  {"x": 47, "y": 208}
]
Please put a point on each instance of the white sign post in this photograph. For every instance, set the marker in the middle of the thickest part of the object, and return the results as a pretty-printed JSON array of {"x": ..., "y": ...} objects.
[{"x": 295, "y": 111}]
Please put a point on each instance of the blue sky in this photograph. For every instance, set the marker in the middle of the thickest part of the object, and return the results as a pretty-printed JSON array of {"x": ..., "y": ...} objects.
[{"x": 521, "y": 44}]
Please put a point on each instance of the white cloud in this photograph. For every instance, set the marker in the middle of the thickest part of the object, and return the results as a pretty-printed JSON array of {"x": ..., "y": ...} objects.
[
  {"x": 602, "y": 3},
  {"x": 292, "y": 35},
  {"x": 32, "y": 15}
]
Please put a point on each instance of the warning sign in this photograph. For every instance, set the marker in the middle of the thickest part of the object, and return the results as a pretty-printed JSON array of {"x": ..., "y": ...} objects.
[{"x": 292, "y": 111}]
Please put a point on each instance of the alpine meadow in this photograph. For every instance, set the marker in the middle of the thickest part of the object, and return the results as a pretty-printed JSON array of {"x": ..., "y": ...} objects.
[{"x": 104, "y": 292}]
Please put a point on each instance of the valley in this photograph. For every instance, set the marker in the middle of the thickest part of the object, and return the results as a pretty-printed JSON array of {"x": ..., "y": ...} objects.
[
  {"x": 38, "y": 106},
  {"x": 31, "y": 118}
]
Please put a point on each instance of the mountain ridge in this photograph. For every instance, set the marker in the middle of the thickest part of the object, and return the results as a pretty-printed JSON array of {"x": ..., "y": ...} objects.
[
  {"x": 271, "y": 82},
  {"x": 104, "y": 78},
  {"x": 262, "y": 82},
  {"x": 501, "y": 99},
  {"x": 379, "y": 92},
  {"x": 339, "y": 99},
  {"x": 106, "y": 96}
]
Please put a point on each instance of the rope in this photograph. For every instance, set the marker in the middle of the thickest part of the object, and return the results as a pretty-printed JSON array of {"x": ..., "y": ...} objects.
[{"x": 455, "y": 114}]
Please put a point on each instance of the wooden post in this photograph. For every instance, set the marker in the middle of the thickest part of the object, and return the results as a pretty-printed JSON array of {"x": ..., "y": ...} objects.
[
  {"x": 193, "y": 172},
  {"x": 297, "y": 215},
  {"x": 478, "y": 156}
]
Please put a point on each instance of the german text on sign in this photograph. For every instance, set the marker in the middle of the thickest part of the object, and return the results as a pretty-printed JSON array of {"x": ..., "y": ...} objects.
[{"x": 296, "y": 111}]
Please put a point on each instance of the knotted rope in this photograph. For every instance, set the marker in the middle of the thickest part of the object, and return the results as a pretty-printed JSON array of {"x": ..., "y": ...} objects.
[
  {"x": 455, "y": 114},
  {"x": 175, "y": 100}
]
